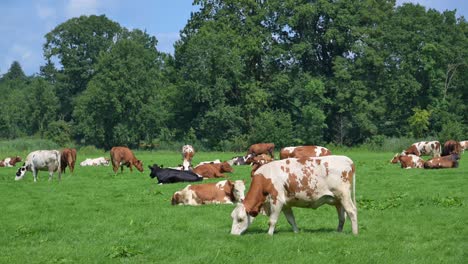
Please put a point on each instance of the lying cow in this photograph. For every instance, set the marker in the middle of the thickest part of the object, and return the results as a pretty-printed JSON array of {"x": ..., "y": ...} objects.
[
  {"x": 309, "y": 183},
  {"x": 45, "y": 160},
  {"x": 216, "y": 161},
  {"x": 449, "y": 161},
  {"x": 424, "y": 148},
  {"x": 223, "y": 192},
  {"x": 187, "y": 154},
  {"x": 408, "y": 161},
  {"x": 121, "y": 156},
  {"x": 304, "y": 151},
  {"x": 68, "y": 158},
  {"x": 213, "y": 170},
  {"x": 95, "y": 162},
  {"x": 241, "y": 160},
  {"x": 10, "y": 161},
  {"x": 171, "y": 176},
  {"x": 262, "y": 148}
]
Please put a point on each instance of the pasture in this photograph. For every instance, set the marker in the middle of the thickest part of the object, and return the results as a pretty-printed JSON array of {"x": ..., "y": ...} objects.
[{"x": 94, "y": 216}]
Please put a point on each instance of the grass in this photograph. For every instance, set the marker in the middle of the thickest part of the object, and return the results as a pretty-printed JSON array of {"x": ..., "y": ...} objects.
[{"x": 94, "y": 216}]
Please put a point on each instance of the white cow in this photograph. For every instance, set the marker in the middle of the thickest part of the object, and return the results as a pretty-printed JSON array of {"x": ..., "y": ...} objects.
[
  {"x": 282, "y": 184},
  {"x": 45, "y": 160},
  {"x": 95, "y": 162},
  {"x": 464, "y": 145}
]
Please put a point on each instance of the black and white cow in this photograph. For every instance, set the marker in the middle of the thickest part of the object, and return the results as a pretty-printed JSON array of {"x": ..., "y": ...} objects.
[
  {"x": 45, "y": 160},
  {"x": 172, "y": 175}
]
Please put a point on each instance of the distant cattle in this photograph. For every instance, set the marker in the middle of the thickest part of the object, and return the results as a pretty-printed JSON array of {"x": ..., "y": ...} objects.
[
  {"x": 223, "y": 192},
  {"x": 463, "y": 145},
  {"x": 121, "y": 156},
  {"x": 172, "y": 176},
  {"x": 408, "y": 161},
  {"x": 307, "y": 182},
  {"x": 424, "y": 148},
  {"x": 45, "y": 160},
  {"x": 450, "y": 147},
  {"x": 262, "y": 148},
  {"x": 10, "y": 161},
  {"x": 95, "y": 162},
  {"x": 213, "y": 170},
  {"x": 241, "y": 160},
  {"x": 68, "y": 158},
  {"x": 304, "y": 151},
  {"x": 449, "y": 161},
  {"x": 187, "y": 154}
]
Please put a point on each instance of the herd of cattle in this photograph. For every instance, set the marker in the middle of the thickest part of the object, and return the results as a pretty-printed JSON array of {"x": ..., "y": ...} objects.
[{"x": 304, "y": 176}]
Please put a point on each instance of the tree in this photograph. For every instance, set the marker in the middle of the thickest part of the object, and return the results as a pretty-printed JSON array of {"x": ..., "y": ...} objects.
[{"x": 15, "y": 72}]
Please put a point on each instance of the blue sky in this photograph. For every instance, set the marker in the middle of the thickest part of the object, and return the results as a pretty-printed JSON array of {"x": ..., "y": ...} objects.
[{"x": 23, "y": 23}]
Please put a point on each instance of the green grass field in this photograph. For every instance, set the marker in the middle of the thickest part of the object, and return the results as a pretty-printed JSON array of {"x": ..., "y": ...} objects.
[{"x": 405, "y": 216}]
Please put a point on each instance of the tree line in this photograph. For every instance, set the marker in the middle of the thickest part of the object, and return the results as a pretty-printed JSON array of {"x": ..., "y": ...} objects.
[{"x": 291, "y": 72}]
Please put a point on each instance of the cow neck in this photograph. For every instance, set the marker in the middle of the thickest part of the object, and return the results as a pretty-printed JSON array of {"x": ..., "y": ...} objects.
[{"x": 256, "y": 195}]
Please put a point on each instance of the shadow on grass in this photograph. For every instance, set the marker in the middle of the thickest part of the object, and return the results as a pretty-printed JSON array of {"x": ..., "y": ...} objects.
[{"x": 256, "y": 231}]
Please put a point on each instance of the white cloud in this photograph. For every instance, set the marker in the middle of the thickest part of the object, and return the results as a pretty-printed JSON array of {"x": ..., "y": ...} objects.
[{"x": 76, "y": 8}]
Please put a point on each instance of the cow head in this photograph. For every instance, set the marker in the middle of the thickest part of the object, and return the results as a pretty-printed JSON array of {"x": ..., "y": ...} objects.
[
  {"x": 21, "y": 172},
  {"x": 139, "y": 165},
  {"x": 176, "y": 198},
  {"x": 153, "y": 170},
  {"x": 240, "y": 220},
  {"x": 225, "y": 167},
  {"x": 396, "y": 158}
]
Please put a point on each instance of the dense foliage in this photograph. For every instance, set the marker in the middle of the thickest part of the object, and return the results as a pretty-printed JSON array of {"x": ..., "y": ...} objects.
[{"x": 290, "y": 72}]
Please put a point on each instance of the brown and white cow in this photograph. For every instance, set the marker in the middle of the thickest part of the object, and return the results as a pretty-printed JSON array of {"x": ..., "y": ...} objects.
[
  {"x": 449, "y": 161},
  {"x": 463, "y": 145},
  {"x": 45, "y": 160},
  {"x": 307, "y": 182},
  {"x": 187, "y": 154},
  {"x": 259, "y": 161},
  {"x": 424, "y": 148},
  {"x": 121, "y": 156},
  {"x": 408, "y": 161},
  {"x": 213, "y": 170},
  {"x": 10, "y": 161},
  {"x": 304, "y": 151},
  {"x": 223, "y": 192},
  {"x": 68, "y": 158},
  {"x": 450, "y": 147},
  {"x": 262, "y": 148}
]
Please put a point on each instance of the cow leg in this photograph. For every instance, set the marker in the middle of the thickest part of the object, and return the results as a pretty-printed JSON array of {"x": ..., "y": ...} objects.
[
  {"x": 275, "y": 212},
  {"x": 351, "y": 210},
  {"x": 290, "y": 217},
  {"x": 34, "y": 174},
  {"x": 341, "y": 217}
]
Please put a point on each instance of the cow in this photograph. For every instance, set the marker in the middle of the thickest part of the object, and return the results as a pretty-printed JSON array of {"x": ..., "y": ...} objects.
[
  {"x": 463, "y": 145},
  {"x": 45, "y": 160},
  {"x": 424, "y": 148},
  {"x": 187, "y": 154},
  {"x": 451, "y": 146},
  {"x": 213, "y": 170},
  {"x": 306, "y": 182},
  {"x": 408, "y": 161},
  {"x": 121, "y": 156},
  {"x": 216, "y": 161},
  {"x": 262, "y": 148},
  {"x": 258, "y": 161},
  {"x": 449, "y": 161},
  {"x": 304, "y": 151},
  {"x": 10, "y": 161},
  {"x": 241, "y": 160},
  {"x": 68, "y": 158},
  {"x": 172, "y": 176},
  {"x": 95, "y": 162},
  {"x": 223, "y": 192}
]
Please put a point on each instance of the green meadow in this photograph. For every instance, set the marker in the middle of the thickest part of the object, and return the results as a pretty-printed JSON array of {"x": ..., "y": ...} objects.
[{"x": 94, "y": 216}]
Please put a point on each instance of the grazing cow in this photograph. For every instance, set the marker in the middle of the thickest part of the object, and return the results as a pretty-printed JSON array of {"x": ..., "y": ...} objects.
[
  {"x": 95, "y": 162},
  {"x": 45, "y": 160},
  {"x": 10, "y": 161},
  {"x": 304, "y": 151},
  {"x": 223, "y": 192},
  {"x": 451, "y": 146},
  {"x": 171, "y": 176},
  {"x": 449, "y": 161},
  {"x": 424, "y": 148},
  {"x": 306, "y": 182},
  {"x": 262, "y": 148},
  {"x": 409, "y": 161},
  {"x": 187, "y": 154},
  {"x": 464, "y": 145},
  {"x": 121, "y": 156},
  {"x": 213, "y": 170},
  {"x": 68, "y": 158}
]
